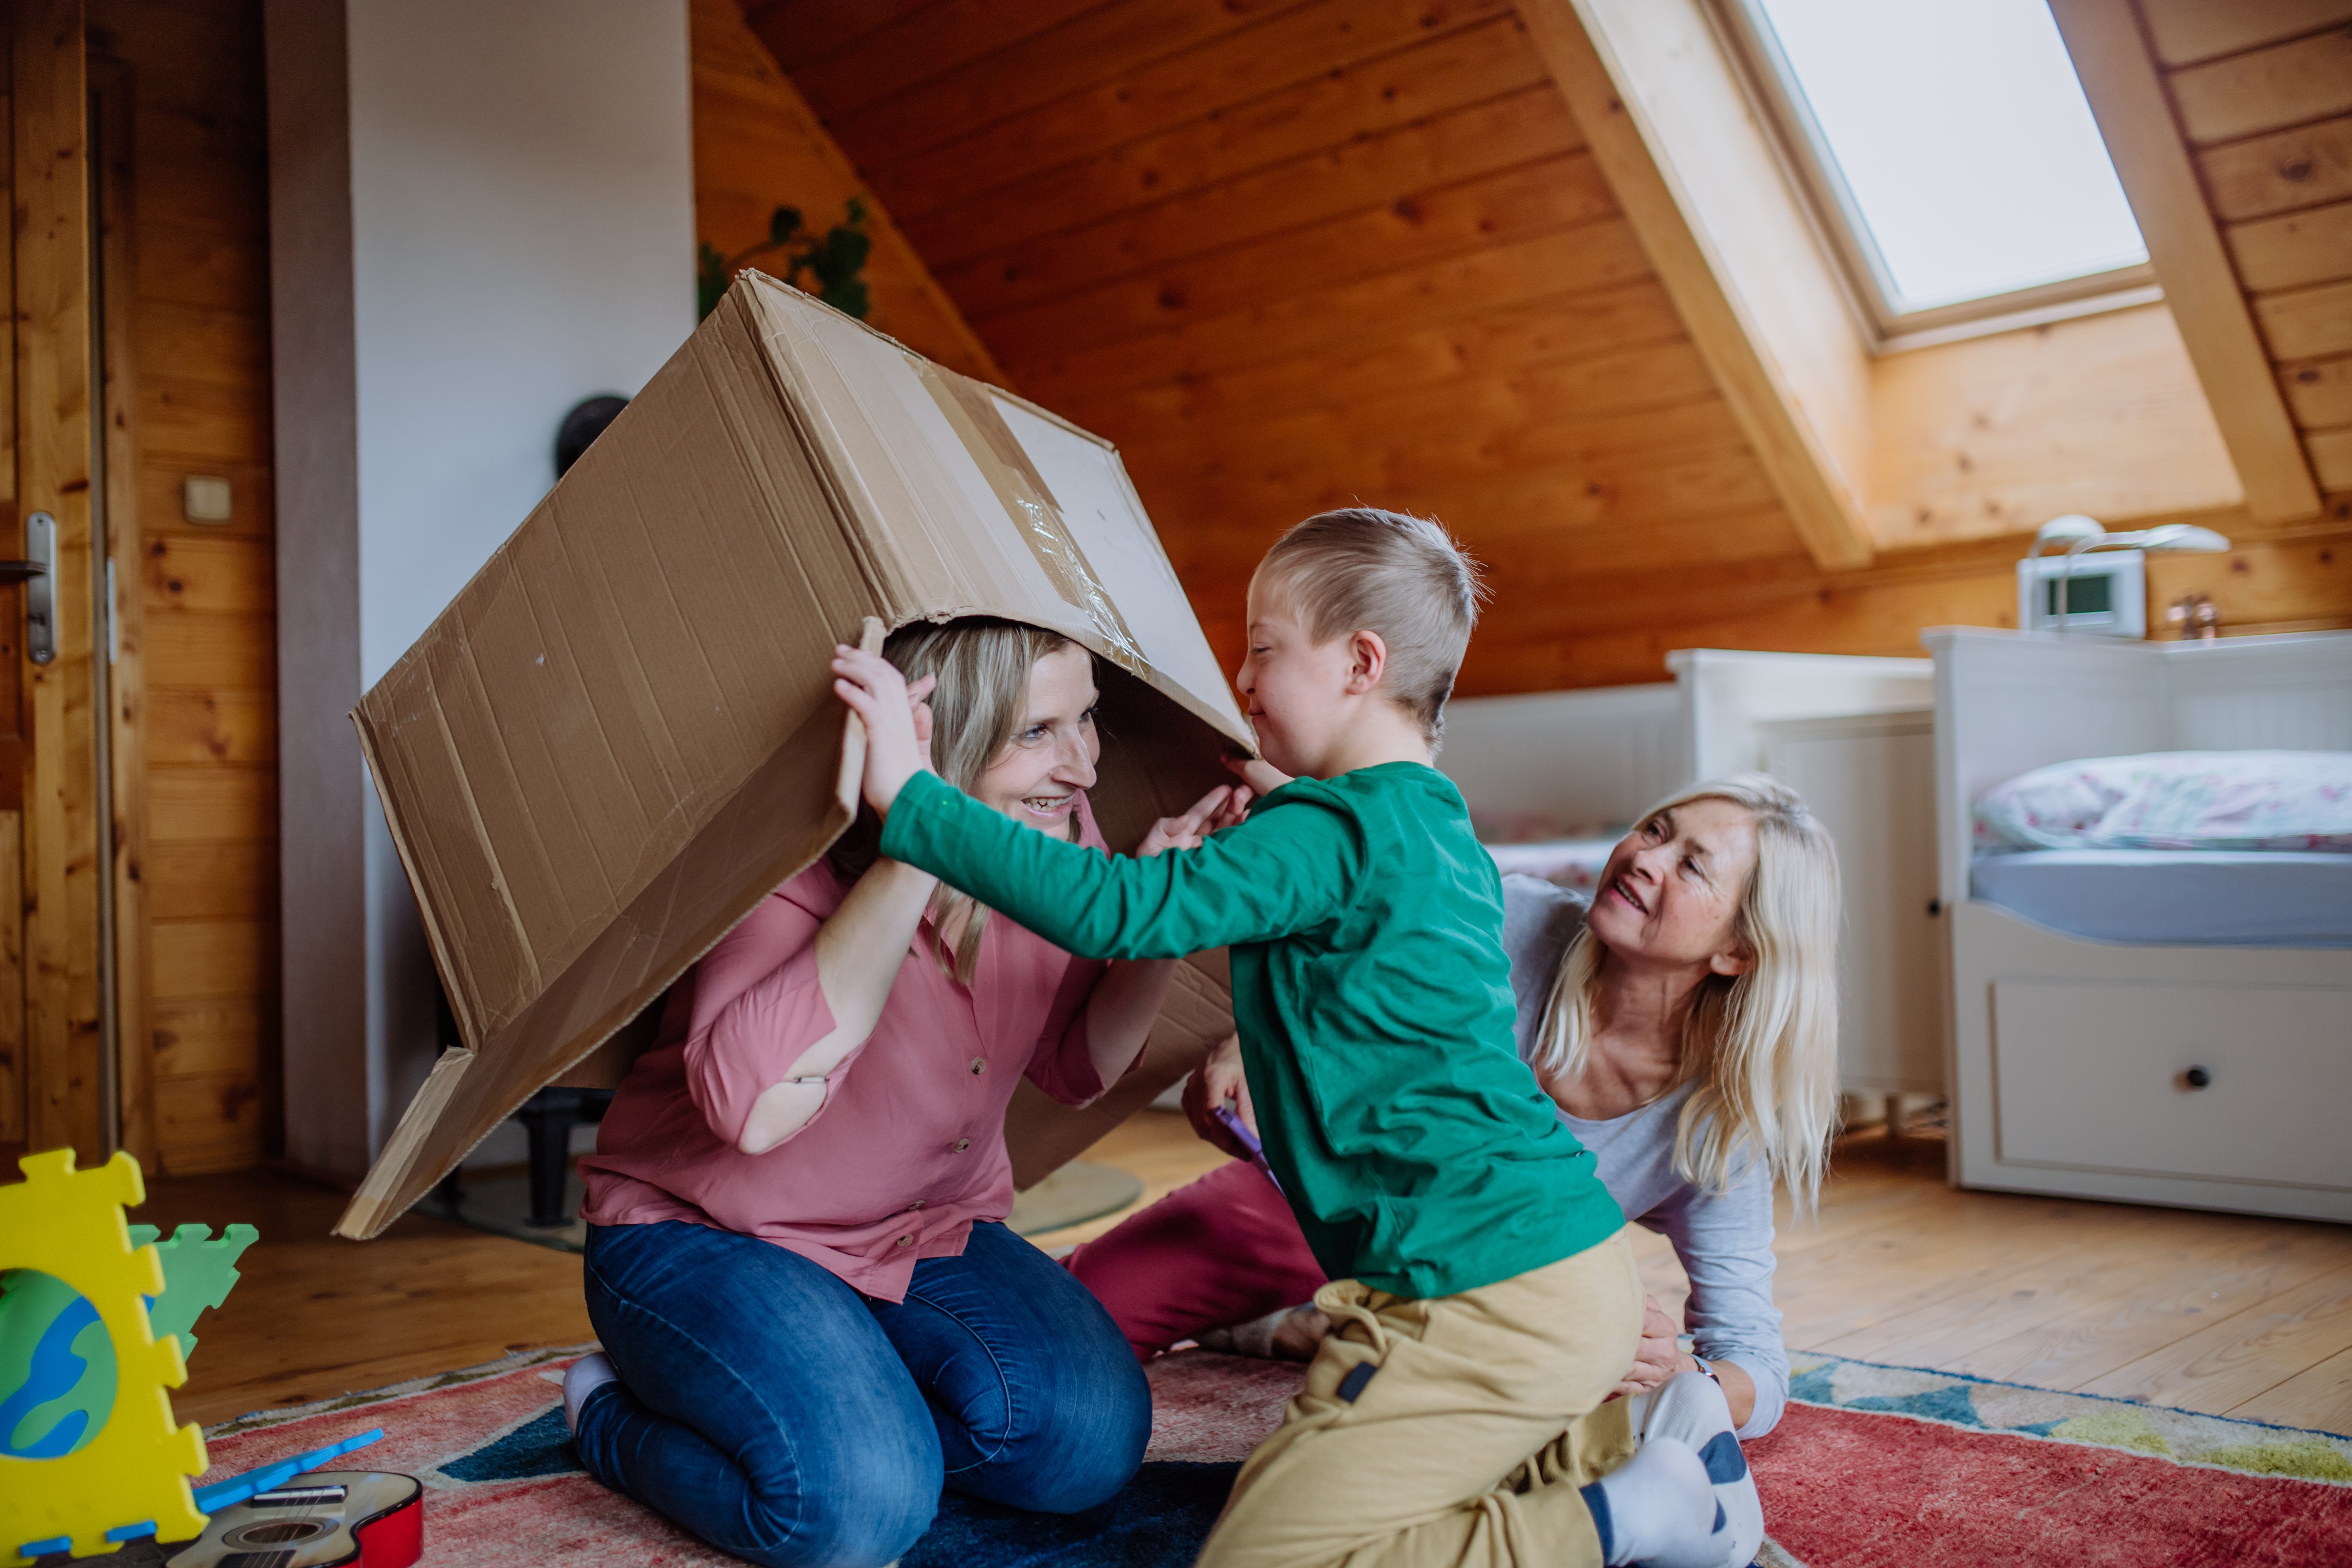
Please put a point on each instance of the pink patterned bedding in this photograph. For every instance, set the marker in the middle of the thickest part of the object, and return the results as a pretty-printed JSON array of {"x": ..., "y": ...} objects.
[{"x": 2296, "y": 801}]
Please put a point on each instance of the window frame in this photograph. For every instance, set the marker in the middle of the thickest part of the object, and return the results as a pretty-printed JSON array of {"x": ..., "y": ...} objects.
[{"x": 1778, "y": 100}]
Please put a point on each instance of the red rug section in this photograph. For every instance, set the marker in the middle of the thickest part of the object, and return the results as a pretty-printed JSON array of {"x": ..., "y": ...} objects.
[{"x": 1845, "y": 1488}]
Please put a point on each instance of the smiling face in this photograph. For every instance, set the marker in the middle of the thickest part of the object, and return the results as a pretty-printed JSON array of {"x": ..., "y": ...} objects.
[
  {"x": 1037, "y": 777},
  {"x": 1669, "y": 895},
  {"x": 1292, "y": 686}
]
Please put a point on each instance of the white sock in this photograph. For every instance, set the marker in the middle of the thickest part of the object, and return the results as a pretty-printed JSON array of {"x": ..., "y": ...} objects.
[
  {"x": 1689, "y": 1407},
  {"x": 583, "y": 1378},
  {"x": 1657, "y": 1509}
]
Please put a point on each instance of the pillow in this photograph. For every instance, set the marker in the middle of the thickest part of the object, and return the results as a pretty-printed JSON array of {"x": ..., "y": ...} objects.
[{"x": 2175, "y": 800}]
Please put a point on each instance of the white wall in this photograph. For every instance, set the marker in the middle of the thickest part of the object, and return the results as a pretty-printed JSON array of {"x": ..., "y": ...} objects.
[
  {"x": 1576, "y": 757},
  {"x": 522, "y": 228},
  {"x": 481, "y": 213}
]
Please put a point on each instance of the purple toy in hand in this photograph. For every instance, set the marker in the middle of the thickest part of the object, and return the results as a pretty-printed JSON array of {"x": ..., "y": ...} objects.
[{"x": 1239, "y": 1129}]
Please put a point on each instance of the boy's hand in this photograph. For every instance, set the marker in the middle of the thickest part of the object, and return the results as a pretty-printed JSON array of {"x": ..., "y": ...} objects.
[
  {"x": 1220, "y": 808},
  {"x": 897, "y": 720},
  {"x": 1217, "y": 1080},
  {"x": 1658, "y": 1354},
  {"x": 1262, "y": 776}
]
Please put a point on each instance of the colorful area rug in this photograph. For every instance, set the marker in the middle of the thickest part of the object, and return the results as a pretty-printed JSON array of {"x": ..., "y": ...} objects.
[
  {"x": 1880, "y": 1464},
  {"x": 1872, "y": 1465}
]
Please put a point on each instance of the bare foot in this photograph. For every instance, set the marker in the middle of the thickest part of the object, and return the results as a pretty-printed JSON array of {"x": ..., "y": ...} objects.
[{"x": 1300, "y": 1334}]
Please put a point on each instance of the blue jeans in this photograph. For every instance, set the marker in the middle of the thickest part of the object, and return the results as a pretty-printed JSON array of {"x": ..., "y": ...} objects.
[{"x": 781, "y": 1415}]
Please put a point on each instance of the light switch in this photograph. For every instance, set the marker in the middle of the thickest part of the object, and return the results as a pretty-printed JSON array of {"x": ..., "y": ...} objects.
[{"x": 205, "y": 499}]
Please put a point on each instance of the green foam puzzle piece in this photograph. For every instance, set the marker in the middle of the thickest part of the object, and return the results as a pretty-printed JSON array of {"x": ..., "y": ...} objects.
[{"x": 198, "y": 1272}]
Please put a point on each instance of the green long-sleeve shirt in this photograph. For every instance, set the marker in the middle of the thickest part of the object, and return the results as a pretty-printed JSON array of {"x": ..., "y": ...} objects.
[{"x": 1371, "y": 995}]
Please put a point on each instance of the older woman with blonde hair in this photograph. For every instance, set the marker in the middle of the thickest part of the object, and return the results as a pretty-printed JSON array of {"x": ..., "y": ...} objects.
[{"x": 1684, "y": 1023}]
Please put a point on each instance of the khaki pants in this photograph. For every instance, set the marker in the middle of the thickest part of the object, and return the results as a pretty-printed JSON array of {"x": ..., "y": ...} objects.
[{"x": 1465, "y": 1443}]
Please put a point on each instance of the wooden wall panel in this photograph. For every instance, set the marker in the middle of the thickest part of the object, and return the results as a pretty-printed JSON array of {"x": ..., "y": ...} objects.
[
  {"x": 758, "y": 146},
  {"x": 2264, "y": 95},
  {"x": 197, "y": 315},
  {"x": 1294, "y": 253}
]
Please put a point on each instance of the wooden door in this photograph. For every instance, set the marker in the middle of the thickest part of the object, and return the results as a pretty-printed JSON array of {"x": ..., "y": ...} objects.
[{"x": 59, "y": 1086}]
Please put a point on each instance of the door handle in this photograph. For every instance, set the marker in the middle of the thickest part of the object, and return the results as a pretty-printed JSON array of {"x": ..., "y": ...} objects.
[
  {"x": 21, "y": 571},
  {"x": 40, "y": 587}
]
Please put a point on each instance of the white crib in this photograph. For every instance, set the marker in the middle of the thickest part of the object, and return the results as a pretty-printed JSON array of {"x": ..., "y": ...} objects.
[{"x": 2200, "y": 1076}]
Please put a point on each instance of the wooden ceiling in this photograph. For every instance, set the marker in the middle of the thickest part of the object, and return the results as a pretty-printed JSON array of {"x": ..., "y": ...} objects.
[
  {"x": 2262, "y": 95},
  {"x": 1290, "y": 254}
]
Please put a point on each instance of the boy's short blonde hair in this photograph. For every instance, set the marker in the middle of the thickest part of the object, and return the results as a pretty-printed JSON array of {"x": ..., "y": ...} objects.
[{"x": 1363, "y": 569}]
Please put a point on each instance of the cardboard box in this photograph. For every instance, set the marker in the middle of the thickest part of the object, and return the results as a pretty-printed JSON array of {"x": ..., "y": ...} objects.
[{"x": 622, "y": 735}]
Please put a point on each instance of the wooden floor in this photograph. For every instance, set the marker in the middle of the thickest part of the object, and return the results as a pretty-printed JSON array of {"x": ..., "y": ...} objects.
[{"x": 2213, "y": 1313}]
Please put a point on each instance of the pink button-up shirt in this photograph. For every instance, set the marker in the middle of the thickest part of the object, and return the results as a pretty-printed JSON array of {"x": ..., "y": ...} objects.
[{"x": 908, "y": 1148}]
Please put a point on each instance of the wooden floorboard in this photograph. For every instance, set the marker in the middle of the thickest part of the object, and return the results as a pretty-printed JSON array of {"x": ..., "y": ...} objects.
[
  {"x": 2225, "y": 1365},
  {"x": 2223, "y": 1313},
  {"x": 312, "y": 1317}
]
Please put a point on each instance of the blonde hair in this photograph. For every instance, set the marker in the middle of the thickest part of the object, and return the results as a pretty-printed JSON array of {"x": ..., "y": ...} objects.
[
  {"x": 1403, "y": 577},
  {"x": 1761, "y": 1046},
  {"x": 983, "y": 666}
]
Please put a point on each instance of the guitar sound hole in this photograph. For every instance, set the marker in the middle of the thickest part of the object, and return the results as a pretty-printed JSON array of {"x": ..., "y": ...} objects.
[{"x": 274, "y": 1531}]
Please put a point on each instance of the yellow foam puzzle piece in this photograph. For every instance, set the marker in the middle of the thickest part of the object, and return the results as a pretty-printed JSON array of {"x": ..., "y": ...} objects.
[{"x": 68, "y": 1225}]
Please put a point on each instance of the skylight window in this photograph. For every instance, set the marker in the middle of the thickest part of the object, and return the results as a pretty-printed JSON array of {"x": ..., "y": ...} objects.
[{"x": 1951, "y": 139}]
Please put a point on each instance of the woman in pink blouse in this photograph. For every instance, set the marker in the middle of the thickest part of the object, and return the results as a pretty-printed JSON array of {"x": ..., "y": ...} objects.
[{"x": 797, "y": 1261}]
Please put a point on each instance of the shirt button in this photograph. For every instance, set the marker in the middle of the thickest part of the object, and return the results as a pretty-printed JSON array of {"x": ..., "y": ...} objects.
[
  {"x": 979, "y": 1066},
  {"x": 961, "y": 1144},
  {"x": 916, "y": 1204},
  {"x": 906, "y": 1241}
]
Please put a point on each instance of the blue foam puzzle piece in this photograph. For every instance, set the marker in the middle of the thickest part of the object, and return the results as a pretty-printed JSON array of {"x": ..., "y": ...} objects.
[{"x": 236, "y": 1488}]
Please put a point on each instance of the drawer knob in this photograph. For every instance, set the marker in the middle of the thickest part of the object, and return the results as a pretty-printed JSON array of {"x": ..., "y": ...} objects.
[{"x": 2196, "y": 1078}]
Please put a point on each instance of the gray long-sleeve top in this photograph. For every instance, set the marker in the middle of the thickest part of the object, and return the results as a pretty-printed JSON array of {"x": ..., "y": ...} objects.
[{"x": 1725, "y": 1241}]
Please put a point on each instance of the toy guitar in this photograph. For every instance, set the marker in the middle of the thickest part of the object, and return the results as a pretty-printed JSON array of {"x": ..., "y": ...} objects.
[{"x": 320, "y": 1518}]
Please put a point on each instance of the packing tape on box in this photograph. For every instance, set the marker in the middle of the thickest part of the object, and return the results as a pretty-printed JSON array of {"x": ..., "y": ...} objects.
[{"x": 971, "y": 408}]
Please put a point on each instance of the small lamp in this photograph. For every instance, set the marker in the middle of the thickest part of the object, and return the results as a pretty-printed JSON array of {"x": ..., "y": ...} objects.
[{"x": 2083, "y": 533}]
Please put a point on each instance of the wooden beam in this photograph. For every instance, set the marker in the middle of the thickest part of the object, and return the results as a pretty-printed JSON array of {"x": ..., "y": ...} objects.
[
  {"x": 2127, "y": 95},
  {"x": 1695, "y": 175},
  {"x": 67, "y": 1073}
]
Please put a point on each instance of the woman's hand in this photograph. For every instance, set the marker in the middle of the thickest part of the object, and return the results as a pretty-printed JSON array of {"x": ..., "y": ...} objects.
[
  {"x": 1220, "y": 808},
  {"x": 1659, "y": 1355},
  {"x": 1214, "y": 1082},
  {"x": 897, "y": 720}
]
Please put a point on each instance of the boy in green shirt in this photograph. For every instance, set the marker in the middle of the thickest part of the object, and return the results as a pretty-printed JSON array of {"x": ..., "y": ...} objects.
[{"x": 1485, "y": 1292}]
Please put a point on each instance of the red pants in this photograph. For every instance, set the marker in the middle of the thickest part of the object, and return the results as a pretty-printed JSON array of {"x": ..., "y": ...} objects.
[{"x": 1221, "y": 1251}]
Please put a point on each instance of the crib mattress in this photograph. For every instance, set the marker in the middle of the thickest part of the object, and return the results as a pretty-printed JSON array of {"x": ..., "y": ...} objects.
[{"x": 2175, "y": 897}]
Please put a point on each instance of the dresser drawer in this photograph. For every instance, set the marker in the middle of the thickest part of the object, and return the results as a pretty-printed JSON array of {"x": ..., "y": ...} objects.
[{"x": 2098, "y": 1077}]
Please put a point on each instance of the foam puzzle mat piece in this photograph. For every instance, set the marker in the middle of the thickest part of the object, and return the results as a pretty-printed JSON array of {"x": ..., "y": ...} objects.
[
  {"x": 132, "y": 1475},
  {"x": 199, "y": 1271}
]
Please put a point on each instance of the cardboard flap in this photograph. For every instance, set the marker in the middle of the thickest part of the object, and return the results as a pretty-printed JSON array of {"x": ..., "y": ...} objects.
[{"x": 621, "y": 735}]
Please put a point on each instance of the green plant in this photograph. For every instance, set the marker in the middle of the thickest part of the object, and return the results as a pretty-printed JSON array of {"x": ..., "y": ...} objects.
[{"x": 835, "y": 259}]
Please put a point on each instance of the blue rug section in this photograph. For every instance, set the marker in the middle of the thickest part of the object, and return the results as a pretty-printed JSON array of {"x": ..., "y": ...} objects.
[
  {"x": 1814, "y": 1388},
  {"x": 1158, "y": 1521},
  {"x": 1951, "y": 1405},
  {"x": 540, "y": 1447}
]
